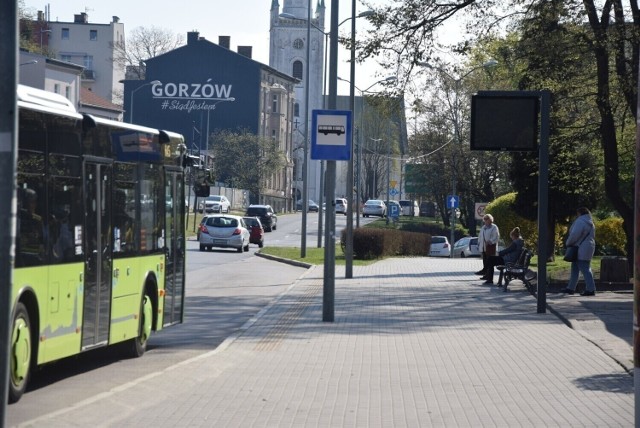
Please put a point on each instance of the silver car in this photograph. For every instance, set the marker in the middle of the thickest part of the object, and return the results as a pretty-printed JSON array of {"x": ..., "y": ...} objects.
[
  {"x": 466, "y": 247},
  {"x": 224, "y": 231},
  {"x": 216, "y": 203},
  {"x": 374, "y": 207}
]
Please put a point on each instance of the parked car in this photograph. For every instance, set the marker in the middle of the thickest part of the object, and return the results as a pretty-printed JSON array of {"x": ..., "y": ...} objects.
[
  {"x": 409, "y": 208},
  {"x": 427, "y": 209},
  {"x": 312, "y": 206},
  {"x": 466, "y": 247},
  {"x": 256, "y": 231},
  {"x": 224, "y": 231},
  {"x": 341, "y": 206},
  {"x": 440, "y": 247},
  {"x": 216, "y": 204},
  {"x": 265, "y": 213},
  {"x": 374, "y": 207}
]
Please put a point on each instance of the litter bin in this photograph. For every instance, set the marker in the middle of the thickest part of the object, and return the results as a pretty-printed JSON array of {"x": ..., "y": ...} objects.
[{"x": 614, "y": 269}]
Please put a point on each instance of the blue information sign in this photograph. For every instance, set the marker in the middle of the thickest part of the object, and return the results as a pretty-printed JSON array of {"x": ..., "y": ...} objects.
[
  {"x": 331, "y": 134},
  {"x": 453, "y": 201}
]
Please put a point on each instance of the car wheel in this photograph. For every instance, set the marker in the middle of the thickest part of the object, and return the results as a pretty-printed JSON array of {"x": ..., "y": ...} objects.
[
  {"x": 261, "y": 244},
  {"x": 462, "y": 256},
  {"x": 246, "y": 248},
  {"x": 202, "y": 247},
  {"x": 239, "y": 249}
]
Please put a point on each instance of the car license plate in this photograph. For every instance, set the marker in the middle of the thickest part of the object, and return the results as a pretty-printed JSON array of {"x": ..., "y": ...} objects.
[{"x": 219, "y": 242}]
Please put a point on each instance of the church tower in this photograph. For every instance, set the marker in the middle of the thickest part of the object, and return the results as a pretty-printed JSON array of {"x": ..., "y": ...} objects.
[{"x": 288, "y": 46}]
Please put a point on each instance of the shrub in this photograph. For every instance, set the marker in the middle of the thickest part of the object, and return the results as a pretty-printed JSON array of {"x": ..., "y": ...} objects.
[
  {"x": 506, "y": 219},
  {"x": 371, "y": 243},
  {"x": 610, "y": 237}
]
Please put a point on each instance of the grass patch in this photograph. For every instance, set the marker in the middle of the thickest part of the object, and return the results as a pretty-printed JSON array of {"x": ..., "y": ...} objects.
[{"x": 559, "y": 270}]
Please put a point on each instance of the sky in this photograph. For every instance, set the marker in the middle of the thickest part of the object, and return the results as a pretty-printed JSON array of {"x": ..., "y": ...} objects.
[{"x": 245, "y": 21}]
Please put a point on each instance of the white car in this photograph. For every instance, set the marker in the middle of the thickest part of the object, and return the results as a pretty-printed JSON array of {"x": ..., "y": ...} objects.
[
  {"x": 466, "y": 247},
  {"x": 341, "y": 206},
  {"x": 224, "y": 231},
  {"x": 216, "y": 204},
  {"x": 374, "y": 207},
  {"x": 409, "y": 208},
  {"x": 440, "y": 247}
]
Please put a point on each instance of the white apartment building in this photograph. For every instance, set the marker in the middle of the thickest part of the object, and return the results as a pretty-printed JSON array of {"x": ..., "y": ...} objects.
[{"x": 90, "y": 45}]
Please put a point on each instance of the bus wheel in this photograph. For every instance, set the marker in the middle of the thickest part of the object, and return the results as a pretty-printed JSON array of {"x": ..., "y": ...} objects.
[
  {"x": 139, "y": 345},
  {"x": 20, "y": 353}
]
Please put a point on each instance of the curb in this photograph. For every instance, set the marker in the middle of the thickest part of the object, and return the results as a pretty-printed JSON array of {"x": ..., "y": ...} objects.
[{"x": 283, "y": 260}]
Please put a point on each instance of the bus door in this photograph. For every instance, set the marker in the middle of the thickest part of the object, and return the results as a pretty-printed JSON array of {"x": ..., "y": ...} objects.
[
  {"x": 175, "y": 241},
  {"x": 97, "y": 271}
]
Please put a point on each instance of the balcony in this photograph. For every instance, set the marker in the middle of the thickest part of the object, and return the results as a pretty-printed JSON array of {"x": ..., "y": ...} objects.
[{"x": 89, "y": 75}]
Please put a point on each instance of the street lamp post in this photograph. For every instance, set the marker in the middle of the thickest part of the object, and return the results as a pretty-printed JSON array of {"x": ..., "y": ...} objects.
[
  {"x": 153, "y": 82},
  {"x": 349, "y": 243}
]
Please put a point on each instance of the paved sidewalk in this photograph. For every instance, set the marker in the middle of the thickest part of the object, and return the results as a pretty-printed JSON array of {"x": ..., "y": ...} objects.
[{"x": 415, "y": 342}]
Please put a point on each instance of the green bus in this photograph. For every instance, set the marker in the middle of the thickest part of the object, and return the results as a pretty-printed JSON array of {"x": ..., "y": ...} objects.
[{"x": 100, "y": 245}]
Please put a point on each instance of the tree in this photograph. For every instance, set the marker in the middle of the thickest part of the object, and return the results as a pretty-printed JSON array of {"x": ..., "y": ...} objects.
[
  {"x": 144, "y": 43},
  {"x": 245, "y": 160},
  {"x": 379, "y": 142},
  {"x": 405, "y": 33}
]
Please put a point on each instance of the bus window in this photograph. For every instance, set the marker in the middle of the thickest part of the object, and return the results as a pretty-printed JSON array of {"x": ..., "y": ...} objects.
[
  {"x": 152, "y": 211},
  {"x": 126, "y": 229},
  {"x": 65, "y": 220},
  {"x": 31, "y": 240}
]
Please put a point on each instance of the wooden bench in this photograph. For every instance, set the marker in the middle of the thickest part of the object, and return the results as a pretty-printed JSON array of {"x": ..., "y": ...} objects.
[{"x": 518, "y": 270}]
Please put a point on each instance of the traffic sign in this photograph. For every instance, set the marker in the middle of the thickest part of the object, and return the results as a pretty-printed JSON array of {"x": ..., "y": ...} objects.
[
  {"x": 453, "y": 201},
  {"x": 480, "y": 208},
  {"x": 394, "y": 211},
  {"x": 393, "y": 192},
  {"x": 331, "y": 134}
]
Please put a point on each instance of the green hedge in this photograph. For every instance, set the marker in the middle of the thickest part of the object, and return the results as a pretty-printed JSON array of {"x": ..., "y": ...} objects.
[{"x": 377, "y": 243}]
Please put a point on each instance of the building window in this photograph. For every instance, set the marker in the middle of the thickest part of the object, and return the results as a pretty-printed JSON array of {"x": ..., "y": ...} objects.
[
  {"x": 88, "y": 62},
  {"x": 274, "y": 104},
  {"x": 298, "y": 44},
  {"x": 56, "y": 88},
  {"x": 67, "y": 92},
  {"x": 93, "y": 35},
  {"x": 297, "y": 70},
  {"x": 65, "y": 34},
  {"x": 273, "y": 134},
  {"x": 66, "y": 58},
  {"x": 296, "y": 110}
]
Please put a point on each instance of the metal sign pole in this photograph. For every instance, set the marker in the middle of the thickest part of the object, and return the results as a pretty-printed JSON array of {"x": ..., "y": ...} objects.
[{"x": 8, "y": 144}]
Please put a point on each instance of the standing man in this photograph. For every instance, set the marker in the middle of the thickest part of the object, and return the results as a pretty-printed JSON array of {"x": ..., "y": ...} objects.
[{"x": 487, "y": 243}]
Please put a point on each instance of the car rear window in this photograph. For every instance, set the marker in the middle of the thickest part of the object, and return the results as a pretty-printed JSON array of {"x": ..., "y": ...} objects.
[
  {"x": 437, "y": 240},
  {"x": 256, "y": 211},
  {"x": 222, "y": 222}
]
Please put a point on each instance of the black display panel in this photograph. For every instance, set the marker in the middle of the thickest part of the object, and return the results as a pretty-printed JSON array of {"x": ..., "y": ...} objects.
[{"x": 504, "y": 122}]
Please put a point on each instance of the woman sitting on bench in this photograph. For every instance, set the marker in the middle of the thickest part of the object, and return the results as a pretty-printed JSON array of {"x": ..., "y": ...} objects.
[{"x": 508, "y": 255}]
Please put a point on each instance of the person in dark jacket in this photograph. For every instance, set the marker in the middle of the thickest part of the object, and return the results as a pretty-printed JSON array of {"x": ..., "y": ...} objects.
[
  {"x": 508, "y": 255},
  {"x": 583, "y": 234}
]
